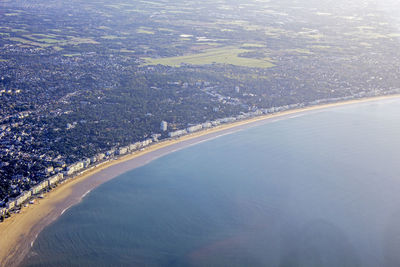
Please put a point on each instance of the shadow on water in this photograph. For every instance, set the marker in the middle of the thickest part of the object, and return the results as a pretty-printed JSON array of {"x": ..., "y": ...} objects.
[
  {"x": 318, "y": 243},
  {"x": 391, "y": 241}
]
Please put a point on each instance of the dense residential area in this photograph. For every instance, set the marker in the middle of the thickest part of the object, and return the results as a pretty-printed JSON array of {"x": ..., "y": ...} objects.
[{"x": 81, "y": 85}]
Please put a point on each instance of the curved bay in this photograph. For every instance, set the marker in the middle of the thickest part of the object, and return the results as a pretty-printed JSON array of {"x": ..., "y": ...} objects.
[{"x": 317, "y": 190}]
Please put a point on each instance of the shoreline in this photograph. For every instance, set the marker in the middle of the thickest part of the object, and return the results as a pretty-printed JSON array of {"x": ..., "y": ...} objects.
[{"x": 19, "y": 232}]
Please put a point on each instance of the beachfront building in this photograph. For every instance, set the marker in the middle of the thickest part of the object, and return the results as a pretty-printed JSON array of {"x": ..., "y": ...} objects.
[
  {"x": 100, "y": 156},
  {"x": 3, "y": 211},
  {"x": 86, "y": 163},
  {"x": 278, "y": 109},
  {"x": 147, "y": 142},
  {"x": 256, "y": 113},
  {"x": 40, "y": 187},
  {"x": 194, "y": 128},
  {"x": 22, "y": 198},
  {"x": 164, "y": 126},
  {"x": 144, "y": 143},
  {"x": 206, "y": 125},
  {"x": 133, "y": 147},
  {"x": 75, "y": 167},
  {"x": 69, "y": 172},
  {"x": 122, "y": 150},
  {"x": 242, "y": 116},
  {"x": 10, "y": 204},
  {"x": 227, "y": 120},
  {"x": 216, "y": 122},
  {"x": 177, "y": 133},
  {"x": 155, "y": 137},
  {"x": 110, "y": 152},
  {"x": 93, "y": 160},
  {"x": 54, "y": 179}
]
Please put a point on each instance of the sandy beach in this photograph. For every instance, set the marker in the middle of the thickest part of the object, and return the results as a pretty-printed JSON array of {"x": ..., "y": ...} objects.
[{"x": 18, "y": 233}]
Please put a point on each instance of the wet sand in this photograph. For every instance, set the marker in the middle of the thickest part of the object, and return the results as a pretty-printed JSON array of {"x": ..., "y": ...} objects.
[{"x": 18, "y": 233}]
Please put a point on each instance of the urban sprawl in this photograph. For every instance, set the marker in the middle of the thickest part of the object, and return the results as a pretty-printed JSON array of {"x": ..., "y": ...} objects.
[{"x": 85, "y": 82}]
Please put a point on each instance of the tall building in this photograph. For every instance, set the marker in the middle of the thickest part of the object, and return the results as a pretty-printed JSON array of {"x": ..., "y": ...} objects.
[{"x": 164, "y": 126}]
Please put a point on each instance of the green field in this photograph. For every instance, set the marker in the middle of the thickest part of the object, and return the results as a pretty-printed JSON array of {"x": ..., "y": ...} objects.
[
  {"x": 27, "y": 42},
  {"x": 43, "y": 41},
  {"x": 72, "y": 55},
  {"x": 18, "y": 30},
  {"x": 124, "y": 50},
  {"x": 145, "y": 30},
  {"x": 224, "y": 55},
  {"x": 112, "y": 37},
  {"x": 251, "y": 45}
]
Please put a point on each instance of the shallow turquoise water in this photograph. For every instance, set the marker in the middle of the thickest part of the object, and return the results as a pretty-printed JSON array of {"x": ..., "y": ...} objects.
[{"x": 321, "y": 189}]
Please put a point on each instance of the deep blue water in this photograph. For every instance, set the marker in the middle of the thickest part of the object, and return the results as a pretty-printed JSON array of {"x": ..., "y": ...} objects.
[{"x": 321, "y": 189}]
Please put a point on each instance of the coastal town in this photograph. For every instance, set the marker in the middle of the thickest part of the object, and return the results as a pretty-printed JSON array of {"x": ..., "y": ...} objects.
[
  {"x": 102, "y": 80},
  {"x": 56, "y": 176},
  {"x": 64, "y": 173},
  {"x": 199, "y": 133}
]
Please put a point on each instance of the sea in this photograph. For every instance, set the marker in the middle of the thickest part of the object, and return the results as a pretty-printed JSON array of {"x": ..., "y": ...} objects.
[{"x": 317, "y": 189}]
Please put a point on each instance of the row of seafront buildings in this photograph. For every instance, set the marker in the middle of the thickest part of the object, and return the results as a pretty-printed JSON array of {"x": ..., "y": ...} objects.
[
  {"x": 69, "y": 172},
  {"x": 242, "y": 116},
  {"x": 101, "y": 157},
  {"x": 77, "y": 167},
  {"x": 27, "y": 195},
  {"x": 255, "y": 113}
]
